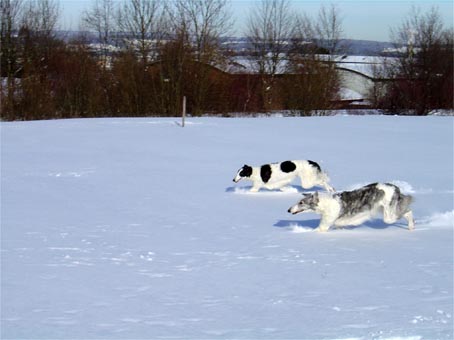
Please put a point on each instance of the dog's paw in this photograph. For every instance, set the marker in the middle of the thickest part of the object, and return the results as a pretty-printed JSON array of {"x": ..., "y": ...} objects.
[{"x": 301, "y": 229}]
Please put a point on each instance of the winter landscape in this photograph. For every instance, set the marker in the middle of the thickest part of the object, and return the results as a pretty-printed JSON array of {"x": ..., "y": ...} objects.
[{"x": 133, "y": 229}]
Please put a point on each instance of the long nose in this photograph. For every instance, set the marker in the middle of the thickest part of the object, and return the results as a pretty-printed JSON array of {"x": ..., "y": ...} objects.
[{"x": 289, "y": 210}]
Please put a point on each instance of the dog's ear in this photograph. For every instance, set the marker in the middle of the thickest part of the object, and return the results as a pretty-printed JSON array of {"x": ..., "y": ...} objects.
[{"x": 246, "y": 171}]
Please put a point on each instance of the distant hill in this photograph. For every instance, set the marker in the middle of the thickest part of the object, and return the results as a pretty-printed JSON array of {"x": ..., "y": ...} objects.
[
  {"x": 240, "y": 44},
  {"x": 365, "y": 47},
  {"x": 348, "y": 46}
]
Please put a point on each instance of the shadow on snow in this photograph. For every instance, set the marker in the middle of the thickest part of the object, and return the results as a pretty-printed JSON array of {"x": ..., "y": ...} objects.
[
  {"x": 289, "y": 189},
  {"x": 313, "y": 223}
]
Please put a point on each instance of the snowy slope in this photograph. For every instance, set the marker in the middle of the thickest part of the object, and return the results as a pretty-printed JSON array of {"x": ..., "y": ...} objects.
[{"x": 133, "y": 229}]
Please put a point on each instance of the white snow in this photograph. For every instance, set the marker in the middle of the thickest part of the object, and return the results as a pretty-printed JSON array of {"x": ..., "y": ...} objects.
[
  {"x": 133, "y": 229},
  {"x": 349, "y": 94},
  {"x": 371, "y": 66}
]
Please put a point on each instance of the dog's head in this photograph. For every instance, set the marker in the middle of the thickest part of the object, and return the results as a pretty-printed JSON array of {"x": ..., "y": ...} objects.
[
  {"x": 309, "y": 203},
  {"x": 245, "y": 171}
]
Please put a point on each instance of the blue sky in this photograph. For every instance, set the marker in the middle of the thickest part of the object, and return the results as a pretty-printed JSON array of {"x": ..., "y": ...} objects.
[{"x": 362, "y": 19}]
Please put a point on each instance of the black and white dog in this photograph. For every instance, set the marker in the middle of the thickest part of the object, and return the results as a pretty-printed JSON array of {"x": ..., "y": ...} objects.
[
  {"x": 278, "y": 175},
  {"x": 357, "y": 206}
]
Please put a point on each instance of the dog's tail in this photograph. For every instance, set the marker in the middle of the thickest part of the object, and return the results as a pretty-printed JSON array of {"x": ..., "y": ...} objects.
[{"x": 325, "y": 181}]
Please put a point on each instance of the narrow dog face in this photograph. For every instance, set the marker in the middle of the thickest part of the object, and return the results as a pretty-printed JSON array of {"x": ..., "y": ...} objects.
[
  {"x": 245, "y": 171},
  {"x": 309, "y": 203}
]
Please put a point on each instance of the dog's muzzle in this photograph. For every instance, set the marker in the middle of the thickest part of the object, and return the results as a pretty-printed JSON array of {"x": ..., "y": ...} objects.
[{"x": 292, "y": 211}]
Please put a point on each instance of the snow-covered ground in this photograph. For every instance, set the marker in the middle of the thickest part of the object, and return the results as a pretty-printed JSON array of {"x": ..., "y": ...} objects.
[{"x": 133, "y": 229}]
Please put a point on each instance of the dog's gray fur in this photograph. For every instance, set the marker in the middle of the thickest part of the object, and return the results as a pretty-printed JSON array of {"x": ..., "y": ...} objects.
[{"x": 357, "y": 206}]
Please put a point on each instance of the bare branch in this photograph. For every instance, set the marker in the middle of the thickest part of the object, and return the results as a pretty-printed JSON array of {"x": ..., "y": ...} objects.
[
  {"x": 270, "y": 28},
  {"x": 100, "y": 19},
  {"x": 142, "y": 23},
  {"x": 329, "y": 28}
]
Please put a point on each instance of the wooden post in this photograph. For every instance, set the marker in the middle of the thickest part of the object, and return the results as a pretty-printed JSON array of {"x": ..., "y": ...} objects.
[{"x": 183, "y": 114}]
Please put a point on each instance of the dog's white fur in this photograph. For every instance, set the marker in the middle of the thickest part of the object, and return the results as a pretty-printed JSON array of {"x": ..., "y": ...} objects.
[
  {"x": 330, "y": 207},
  {"x": 309, "y": 175}
]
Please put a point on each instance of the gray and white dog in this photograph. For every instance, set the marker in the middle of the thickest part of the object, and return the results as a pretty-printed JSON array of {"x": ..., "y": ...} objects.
[
  {"x": 357, "y": 206},
  {"x": 278, "y": 175}
]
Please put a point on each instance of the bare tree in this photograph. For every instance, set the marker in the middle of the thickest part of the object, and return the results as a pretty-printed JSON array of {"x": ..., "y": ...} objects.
[
  {"x": 141, "y": 25},
  {"x": 312, "y": 81},
  {"x": 10, "y": 11},
  {"x": 377, "y": 92},
  {"x": 37, "y": 33},
  {"x": 419, "y": 31},
  {"x": 329, "y": 28},
  {"x": 270, "y": 28},
  {"x": 424, "y": 71},
  {"x": 41, "y": 17},
  {"x": 205, "y": 21},
  {"x": 38, "y": 46},
  {"x": 197, "y": 27},
  {"x": 100, "y": 18},
  {"x": 141, "y": 22}
]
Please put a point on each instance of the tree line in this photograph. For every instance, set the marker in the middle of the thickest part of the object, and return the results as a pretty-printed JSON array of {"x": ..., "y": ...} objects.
[{"x": 151, "y": 53}]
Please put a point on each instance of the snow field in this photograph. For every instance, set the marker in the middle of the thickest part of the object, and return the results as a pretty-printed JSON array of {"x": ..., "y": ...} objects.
[{"x": 133, "y": 228}]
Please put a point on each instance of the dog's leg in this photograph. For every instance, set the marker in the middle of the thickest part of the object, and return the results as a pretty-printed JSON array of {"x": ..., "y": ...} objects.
[
  {"x": 325, "y": 224},
  {"x": 255, "y": 188},
  {"x": 329, "y": 211},
  {"x": 389, "y": 215},
  {"x": 323, "y": 227},
  {"x": 409, "y": 217},
  {"x": 304, "y": 182}
]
